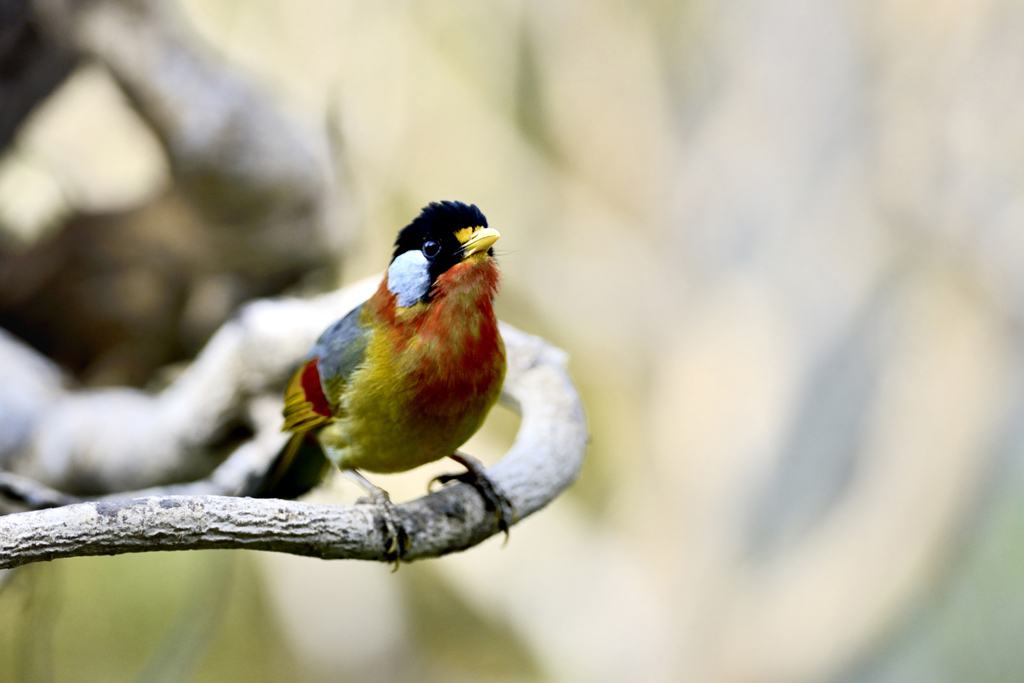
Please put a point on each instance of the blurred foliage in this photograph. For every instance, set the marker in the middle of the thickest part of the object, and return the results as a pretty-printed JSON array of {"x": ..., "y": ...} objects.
[{"x": 184, "y": 616}]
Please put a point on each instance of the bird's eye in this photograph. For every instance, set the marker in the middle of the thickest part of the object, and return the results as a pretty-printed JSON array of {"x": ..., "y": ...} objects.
[{"x": 431, "y": 248}]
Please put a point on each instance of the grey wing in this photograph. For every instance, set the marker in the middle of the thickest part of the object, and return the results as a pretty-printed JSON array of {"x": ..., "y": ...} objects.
[{"x": 341, "y": 348}]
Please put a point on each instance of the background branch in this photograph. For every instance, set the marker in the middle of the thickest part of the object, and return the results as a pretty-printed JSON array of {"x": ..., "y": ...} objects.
[
  {"x": 111, "y": 440},
  {"x": 243, "y": 201}
]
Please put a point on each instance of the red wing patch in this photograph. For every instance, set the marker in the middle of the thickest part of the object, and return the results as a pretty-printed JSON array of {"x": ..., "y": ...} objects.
[
  {"x": 314, "y": 390},
  {"x": 305, "y": 405}
]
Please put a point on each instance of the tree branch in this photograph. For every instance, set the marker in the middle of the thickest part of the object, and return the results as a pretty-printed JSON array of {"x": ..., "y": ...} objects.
[
  {"x": 112, "y": 440},
  {"x": 248, "y": 167},
  {"x": 545, "y": 459}
]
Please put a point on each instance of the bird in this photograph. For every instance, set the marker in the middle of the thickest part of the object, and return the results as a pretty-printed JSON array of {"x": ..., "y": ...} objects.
[{"x": 408, "y": 376}]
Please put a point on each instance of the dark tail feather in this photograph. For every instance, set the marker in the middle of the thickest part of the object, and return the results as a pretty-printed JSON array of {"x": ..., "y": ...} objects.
[{"x": 298, "y": 468}]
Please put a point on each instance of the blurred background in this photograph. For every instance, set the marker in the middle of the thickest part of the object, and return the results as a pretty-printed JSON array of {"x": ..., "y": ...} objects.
[{"x": 782, "y": 242}]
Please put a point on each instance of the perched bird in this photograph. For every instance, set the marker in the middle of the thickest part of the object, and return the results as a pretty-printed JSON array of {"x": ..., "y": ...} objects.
[{"x": 409, "y": 375}]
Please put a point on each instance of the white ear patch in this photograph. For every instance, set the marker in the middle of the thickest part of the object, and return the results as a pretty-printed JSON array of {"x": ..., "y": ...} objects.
[{"x": 409, "y": 277}]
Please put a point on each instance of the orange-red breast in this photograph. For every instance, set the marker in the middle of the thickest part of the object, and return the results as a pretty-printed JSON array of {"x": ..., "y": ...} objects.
[{"x": 409, "y": 375}]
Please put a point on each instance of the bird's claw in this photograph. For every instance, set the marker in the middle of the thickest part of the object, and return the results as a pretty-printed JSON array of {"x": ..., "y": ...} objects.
[
  {"x": 447, "y": 478},
  {"x": 396, "y": 539},
  {"x": 495, "y": 501}
]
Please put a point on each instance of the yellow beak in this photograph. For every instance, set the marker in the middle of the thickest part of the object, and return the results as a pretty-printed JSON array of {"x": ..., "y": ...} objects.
[{"x": 478, "y": 241}]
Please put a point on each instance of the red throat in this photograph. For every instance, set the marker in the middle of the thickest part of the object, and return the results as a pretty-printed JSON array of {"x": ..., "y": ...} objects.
[
  {"x": 458, "y": 324},
  {"x": 465, "y": 290}
]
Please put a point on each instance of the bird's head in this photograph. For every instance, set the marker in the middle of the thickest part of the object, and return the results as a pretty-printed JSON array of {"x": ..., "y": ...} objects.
[{"x": 444, "y": 235}]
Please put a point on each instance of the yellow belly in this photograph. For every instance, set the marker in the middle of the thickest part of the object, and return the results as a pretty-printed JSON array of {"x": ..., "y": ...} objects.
[{"x": 391, "y": 444}]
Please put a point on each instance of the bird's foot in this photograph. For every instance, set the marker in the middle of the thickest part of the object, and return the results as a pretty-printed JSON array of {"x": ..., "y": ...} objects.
[
  {"x": 396, "y": 539},
  {"x": 495, "y": 501}
]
